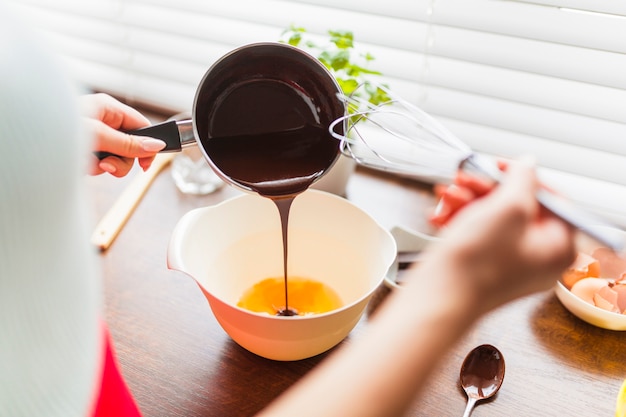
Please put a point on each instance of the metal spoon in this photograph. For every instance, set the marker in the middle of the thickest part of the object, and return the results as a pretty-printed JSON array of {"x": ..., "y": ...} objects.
[{"x": 481, "y": 374}]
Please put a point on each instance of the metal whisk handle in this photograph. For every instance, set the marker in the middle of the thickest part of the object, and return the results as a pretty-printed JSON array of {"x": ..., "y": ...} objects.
[{"x": 593, "y": 226}]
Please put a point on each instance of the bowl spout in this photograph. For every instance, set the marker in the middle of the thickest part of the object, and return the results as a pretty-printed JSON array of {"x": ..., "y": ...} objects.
[{"x": 180, "y": 255}]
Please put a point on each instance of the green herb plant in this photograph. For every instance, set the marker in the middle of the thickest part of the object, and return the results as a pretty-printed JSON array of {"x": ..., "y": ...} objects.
[{"x": 338, "y": 54}]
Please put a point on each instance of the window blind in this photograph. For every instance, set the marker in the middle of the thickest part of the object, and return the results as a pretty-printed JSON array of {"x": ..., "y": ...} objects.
[{"x": 541, "y": 77}]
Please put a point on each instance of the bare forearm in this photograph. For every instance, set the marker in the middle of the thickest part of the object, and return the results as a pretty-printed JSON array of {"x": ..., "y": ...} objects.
[{"x": 380, "y": 373}]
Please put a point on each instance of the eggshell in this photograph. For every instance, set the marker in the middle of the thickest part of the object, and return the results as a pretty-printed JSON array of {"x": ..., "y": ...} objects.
[
  {"x": 620, "y": 289},
  {"x": 611, "y": 265},
  {"x": 604, "y": 300},
  {"x": 586, "y": 288},
  {"x": 584, "y": 266}
]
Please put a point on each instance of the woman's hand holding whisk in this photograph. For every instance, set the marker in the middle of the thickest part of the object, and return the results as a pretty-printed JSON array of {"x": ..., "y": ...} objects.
[{"x": 504, "y": 234}]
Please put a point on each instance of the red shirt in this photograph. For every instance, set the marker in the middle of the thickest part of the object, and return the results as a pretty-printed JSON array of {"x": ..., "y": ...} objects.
[{"x": 113, "y": 398}]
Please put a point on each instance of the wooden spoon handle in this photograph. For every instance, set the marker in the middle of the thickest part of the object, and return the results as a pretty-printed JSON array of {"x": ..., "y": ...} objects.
[{"x": 114, "y": 220}]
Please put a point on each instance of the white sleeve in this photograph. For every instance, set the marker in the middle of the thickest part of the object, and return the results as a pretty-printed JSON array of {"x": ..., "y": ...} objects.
[{"x": 49, "y": 284}]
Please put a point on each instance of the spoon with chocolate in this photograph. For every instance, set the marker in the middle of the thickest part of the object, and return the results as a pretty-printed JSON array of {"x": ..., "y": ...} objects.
[{"x": 481, "y": 375}]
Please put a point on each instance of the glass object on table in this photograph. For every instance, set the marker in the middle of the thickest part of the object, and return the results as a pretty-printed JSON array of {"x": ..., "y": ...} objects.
[{"x": 192, "y": 173}]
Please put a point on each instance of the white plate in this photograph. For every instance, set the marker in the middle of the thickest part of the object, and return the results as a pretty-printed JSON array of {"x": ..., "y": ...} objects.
[{"x": 589, "y": 313}]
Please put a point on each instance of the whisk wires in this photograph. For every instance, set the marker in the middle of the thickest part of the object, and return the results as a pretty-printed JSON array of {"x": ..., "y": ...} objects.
[{"x": 400, "y": 137}]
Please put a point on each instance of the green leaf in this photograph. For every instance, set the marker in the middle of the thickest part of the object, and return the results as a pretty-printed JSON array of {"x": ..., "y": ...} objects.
[
  {"x": 348, "y": 85},
  {"x": 311, "y": 45},
  {"x": 352, "y": 77},
  {"x": 368, "y": 57},
  {"x": 294, "y": 39},
  {"x": 342, "y": 39},
  {"x": 337, "y": 60}
]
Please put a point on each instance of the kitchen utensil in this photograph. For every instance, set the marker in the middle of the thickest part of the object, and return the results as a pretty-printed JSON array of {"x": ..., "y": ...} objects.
[
  {"x": 176, "y": 134},
  {"x": 114, "y": 220},
  {"x": 481, "y": 375},
  {"x": 402, "y": 138},
  {"x": 258, "y": 92}
]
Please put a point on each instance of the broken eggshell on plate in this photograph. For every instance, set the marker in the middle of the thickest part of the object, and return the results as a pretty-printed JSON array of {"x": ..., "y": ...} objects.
[{"x": 593, "y": 288}]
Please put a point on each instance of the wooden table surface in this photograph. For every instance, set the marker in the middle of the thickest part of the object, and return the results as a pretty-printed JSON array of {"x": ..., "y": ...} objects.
[{"x": 179, "y": 362}]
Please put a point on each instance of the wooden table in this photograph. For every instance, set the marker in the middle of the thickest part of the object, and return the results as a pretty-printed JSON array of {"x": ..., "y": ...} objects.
[{"x": 179, "y": 362}]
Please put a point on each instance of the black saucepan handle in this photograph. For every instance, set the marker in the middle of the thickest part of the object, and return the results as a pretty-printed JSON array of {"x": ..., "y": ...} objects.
[{"x": 170, "y": 132}]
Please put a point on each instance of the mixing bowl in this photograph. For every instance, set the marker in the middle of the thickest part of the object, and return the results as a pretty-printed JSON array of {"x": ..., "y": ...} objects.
[{"x": 229, "y": 247}]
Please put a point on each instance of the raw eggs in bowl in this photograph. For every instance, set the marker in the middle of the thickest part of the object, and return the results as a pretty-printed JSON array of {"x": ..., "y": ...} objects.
[
  {"x": 593, "y": 288},
  {"x": 236, "y": 246}
]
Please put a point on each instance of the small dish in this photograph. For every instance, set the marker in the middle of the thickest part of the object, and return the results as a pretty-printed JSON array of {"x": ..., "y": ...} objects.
[
  {"x": 583, "y": 310},
  {"x": 589, "y": 313}
]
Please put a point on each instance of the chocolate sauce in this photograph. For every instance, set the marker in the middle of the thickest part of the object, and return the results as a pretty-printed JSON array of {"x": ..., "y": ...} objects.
[
  {"x": 268, "y": 136},
  {"x": 482, "y": 371},
  {"x": 284, "y": 205}
]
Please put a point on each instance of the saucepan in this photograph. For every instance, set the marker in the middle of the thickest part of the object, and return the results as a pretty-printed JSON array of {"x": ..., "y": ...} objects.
[{"x": 256, "y": 88}]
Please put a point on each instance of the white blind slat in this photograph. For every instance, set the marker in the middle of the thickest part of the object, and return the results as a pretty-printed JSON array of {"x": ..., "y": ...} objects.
[
  {"x": 370, "y": 27},
  {"x": 100, "y": 27},
  {"x": 529, "y": 88},
  {"x": 524, "y": 20},
  {"x": 580, "y": 160},
  {"x": 592, "y": 66},
  {"x": 558, "y": 126},
  {"x": 616, "y": 7}
]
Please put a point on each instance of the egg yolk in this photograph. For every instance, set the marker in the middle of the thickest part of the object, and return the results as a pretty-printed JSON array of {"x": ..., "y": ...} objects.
[{"x": 306, "y": 296}]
